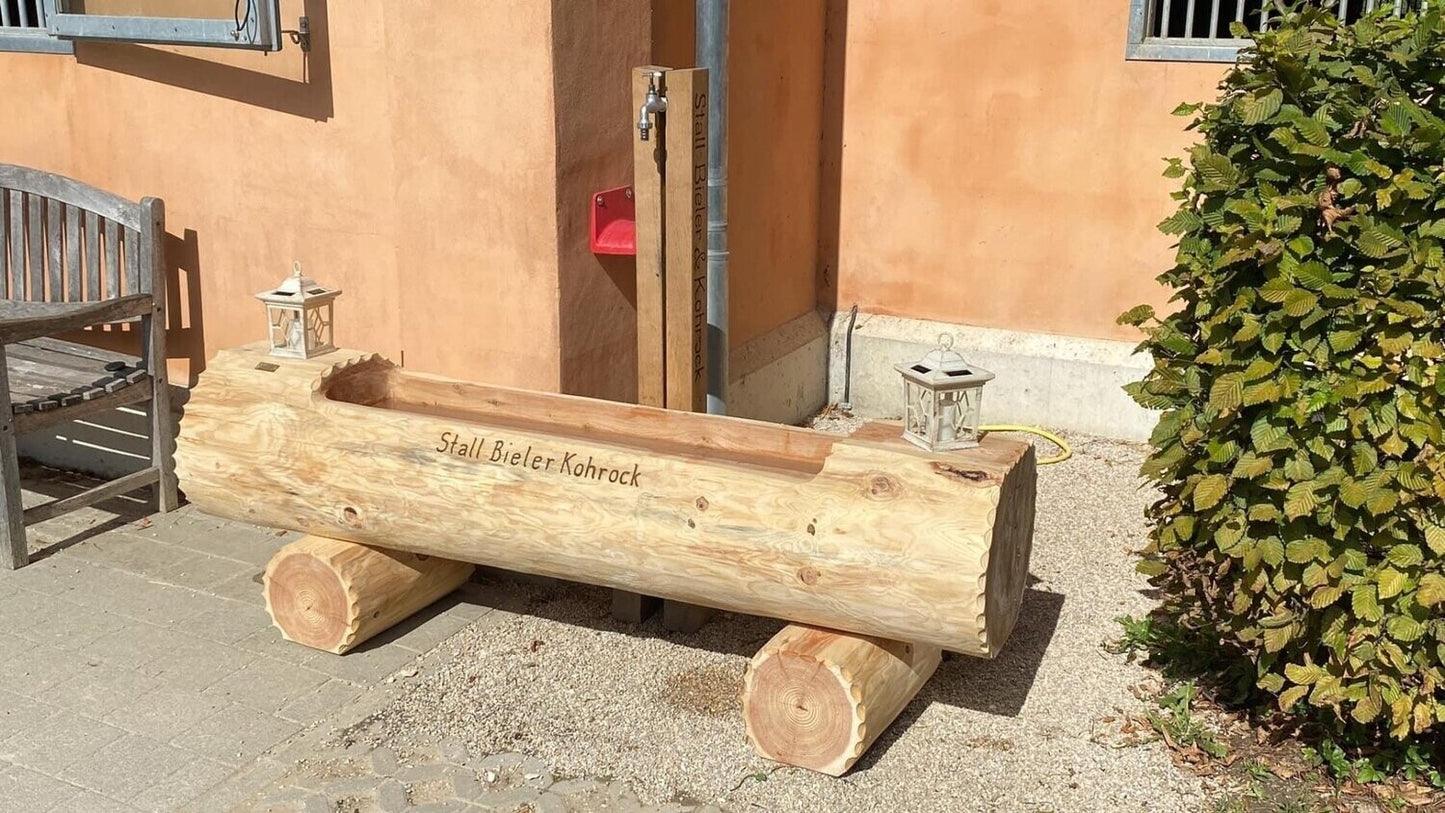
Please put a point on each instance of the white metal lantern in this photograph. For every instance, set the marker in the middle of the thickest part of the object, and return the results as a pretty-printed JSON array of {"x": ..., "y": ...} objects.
[
  {"x": 941, "y": 397},
  {"x": 298, "y": 315}
]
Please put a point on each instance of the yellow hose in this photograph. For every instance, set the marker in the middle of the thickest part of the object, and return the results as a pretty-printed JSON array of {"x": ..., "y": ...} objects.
[{"x": 1064, "y": 451}]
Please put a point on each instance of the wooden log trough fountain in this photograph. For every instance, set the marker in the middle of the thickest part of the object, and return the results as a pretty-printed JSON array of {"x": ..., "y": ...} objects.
[{"x": 882, "y": 554}]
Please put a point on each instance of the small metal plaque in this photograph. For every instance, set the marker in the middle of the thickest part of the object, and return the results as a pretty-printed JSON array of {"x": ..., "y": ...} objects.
[{"x": 267, "y": 367}]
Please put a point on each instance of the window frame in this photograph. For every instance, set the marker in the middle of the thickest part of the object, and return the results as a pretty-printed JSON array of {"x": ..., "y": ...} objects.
[
  {"x": 1143, "y": 47},
  {"x": 33, "y": 39},
  {"x": 263, "y": 33}
]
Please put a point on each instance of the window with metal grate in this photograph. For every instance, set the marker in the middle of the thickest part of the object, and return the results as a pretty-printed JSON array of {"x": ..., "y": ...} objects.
[
  {"x": 53, "y": 25},
  {"x": 1199, "y": 30},
  {"x": 23, "y": 27}
]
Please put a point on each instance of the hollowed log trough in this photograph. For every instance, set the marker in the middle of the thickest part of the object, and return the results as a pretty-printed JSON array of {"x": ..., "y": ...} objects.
[{"x": 864, "y": 534}]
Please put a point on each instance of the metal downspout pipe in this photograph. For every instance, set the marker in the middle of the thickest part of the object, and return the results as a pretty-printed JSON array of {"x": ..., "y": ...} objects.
[{"x": 712, "y": 53}]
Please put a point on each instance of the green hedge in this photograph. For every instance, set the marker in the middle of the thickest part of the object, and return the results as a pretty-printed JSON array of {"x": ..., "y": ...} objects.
[{"x": 1299, "y": 449}]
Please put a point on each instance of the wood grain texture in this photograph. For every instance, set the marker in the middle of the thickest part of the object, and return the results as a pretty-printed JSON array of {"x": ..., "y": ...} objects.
[
  {"x": 685, "y": 250},
  {"x": 153, "y": 333},
  {"x": 92, "y": 256},
  {"x": 817, "y": 699},
  {"x": 35, "y": 242},
  {"x": 647, "y": 195},
  {"x": 112, "y": 259},
  {"x": 333, "y": 595},
  {"x": 16, "y": 237},
  {"x": 55, "y": 242},
  {"x": 13, "y": 551},
  {"x": 73, "y": 269},
  {"x": 863, "y": 535}
]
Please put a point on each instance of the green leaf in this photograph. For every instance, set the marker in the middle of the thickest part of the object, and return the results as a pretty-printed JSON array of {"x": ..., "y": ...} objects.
[
  {"x": 1312, "y": 131},
  {"x": 1343, "y": 341},
  {"x": 1181, "y": 222},
  {"x": 1277, "y": 638},
  {"x": 1137, "y": 315},
  {"x": 1404, "y": 628},
  {"x": 1267, "y": 437},
  {"x": 1391, "y": 582},
  {"x": 1260, "y": 106},
  {"x": 1151, "y": 567},
  {"x": 1300, "y": 302},
  {"x": 1290, "y": 697},
  {"x": 1300, "y": 501},
  {"x": 1217, "y": 170},
  {"x": 1271, "y": 550},
  {"x": 1227, "y": 392},
  {"x": 1431, "y": 591},
  {"x": 1405, "y": 555},
  {"x": 1379, "y": 242},
  {"x": 1365, "y": 603},
  {"x": 1313, "y": 275},
  {"x": 1353, "y": 493},
  {"x": 1396, "y": 121},
  {"x": 1304, "y": 675},
  {"x": 1209, "y": 491},
  {"x": 1435, "y": 538},
  {"x": 1301, "y": 551},
  {"x": 1366, "y": 710}
]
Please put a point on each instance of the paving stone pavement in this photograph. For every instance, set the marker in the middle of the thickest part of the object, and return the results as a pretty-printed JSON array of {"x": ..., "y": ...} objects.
[{"x": 140, "y": 672}]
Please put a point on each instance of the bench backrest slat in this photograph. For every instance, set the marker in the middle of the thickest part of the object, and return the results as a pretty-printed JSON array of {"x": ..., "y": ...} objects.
[
  {"x": 54, "y": 229},
  {"x": 64, "y": 241},
  {"x": 73, "y": 237},
  {"x": 132, "y": 262},
  {"x": 92, "y": 257},
  {"x": 112, "y": 260},
  {"x": 35, "y": 241}
]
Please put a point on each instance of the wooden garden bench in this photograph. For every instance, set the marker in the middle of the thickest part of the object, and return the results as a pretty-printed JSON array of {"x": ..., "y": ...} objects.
[{"x": 73, "y": 256}]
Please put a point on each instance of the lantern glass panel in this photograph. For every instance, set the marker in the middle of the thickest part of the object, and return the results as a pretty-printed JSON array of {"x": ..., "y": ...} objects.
[
  {"x": 286, "y": 331},
  {"x": 958, "y": 417},
  {"x": 318, "y": 325},
  {"x": 918, "y": 409}
]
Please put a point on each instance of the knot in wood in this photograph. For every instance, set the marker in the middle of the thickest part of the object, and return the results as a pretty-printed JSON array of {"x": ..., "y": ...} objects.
[
  {"x": 808, "y": 576},
  {"x": 702, "y": 503},
  {"x": 964, "y": 475},
  {"x": 882, "y": 487}
]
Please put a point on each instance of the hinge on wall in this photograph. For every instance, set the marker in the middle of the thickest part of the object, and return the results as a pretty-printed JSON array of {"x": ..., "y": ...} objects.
[{"x": 301, "y": 36}]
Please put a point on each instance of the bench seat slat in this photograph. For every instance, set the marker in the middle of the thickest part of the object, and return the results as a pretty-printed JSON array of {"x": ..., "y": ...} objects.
[{"x": 47, "y": 375}]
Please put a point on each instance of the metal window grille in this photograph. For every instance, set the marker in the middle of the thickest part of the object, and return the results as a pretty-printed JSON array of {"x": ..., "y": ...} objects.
[
  {"x": 1199, "y": 30},
  {"x": 253, "y": 24},
  {"x": 23, "y": 27}
]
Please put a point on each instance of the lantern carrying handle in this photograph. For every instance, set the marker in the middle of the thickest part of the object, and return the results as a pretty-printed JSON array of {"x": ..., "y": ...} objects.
[{"x": 945, "y": 341}]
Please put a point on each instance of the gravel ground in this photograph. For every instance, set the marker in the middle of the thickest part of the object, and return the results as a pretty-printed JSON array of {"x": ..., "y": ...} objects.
[{"x": 659, "y": 711}]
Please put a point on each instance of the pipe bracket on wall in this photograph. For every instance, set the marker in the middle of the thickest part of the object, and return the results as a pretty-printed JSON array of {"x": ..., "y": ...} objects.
[{"x": 613, "y": 227}]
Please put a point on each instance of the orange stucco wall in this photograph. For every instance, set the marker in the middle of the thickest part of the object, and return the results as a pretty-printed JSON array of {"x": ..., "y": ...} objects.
[
  {"x": 996, "y": 166},
  {"x": 411, "y": 161}
]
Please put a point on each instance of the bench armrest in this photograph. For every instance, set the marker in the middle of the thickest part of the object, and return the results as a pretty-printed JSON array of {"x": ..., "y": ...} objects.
[{"x": 20, "y": 321}]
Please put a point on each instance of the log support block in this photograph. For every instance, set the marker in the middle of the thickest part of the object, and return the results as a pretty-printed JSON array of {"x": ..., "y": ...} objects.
[
  {"x": 633, "y": 608},
  {"x": 679, "y": 616},
  {"x": 333, "y": 595},
  {"x": 817, "y": 699}
]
